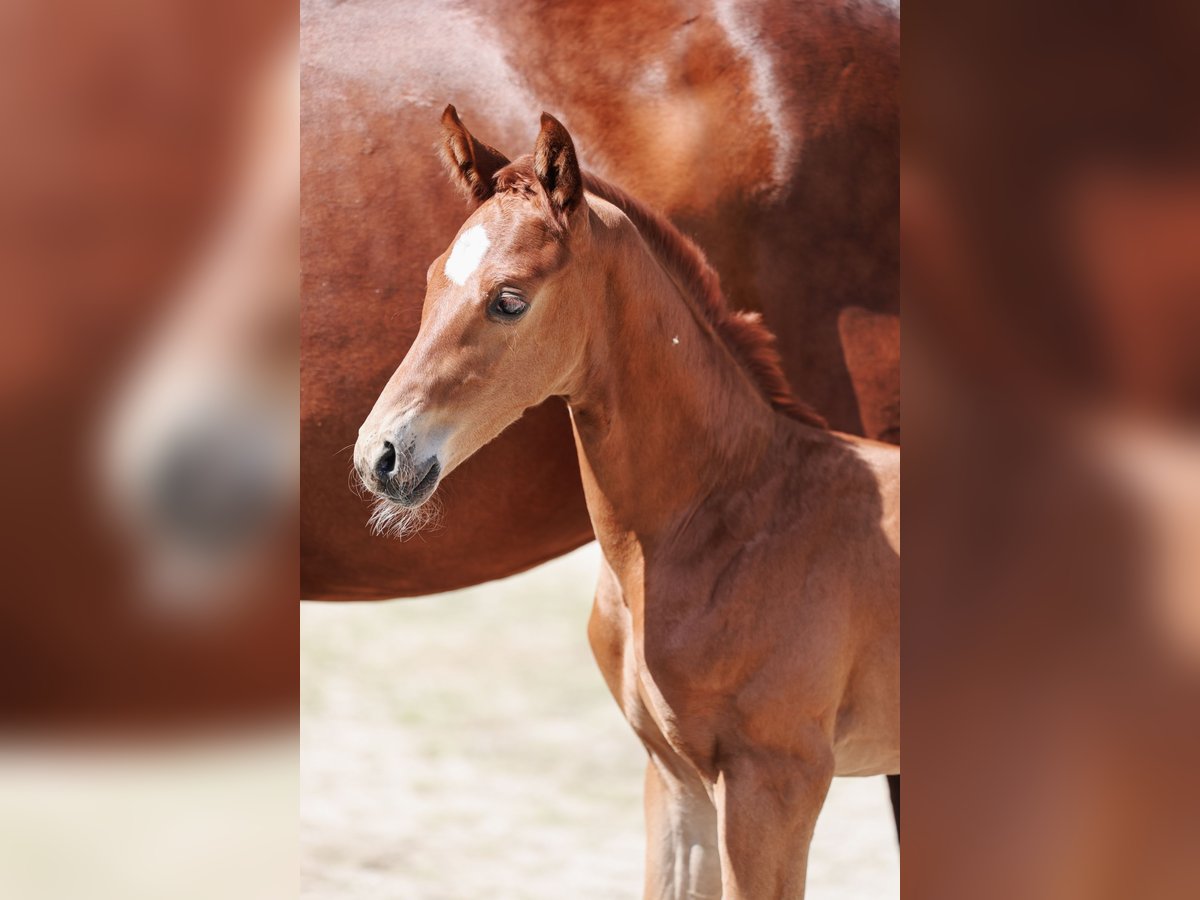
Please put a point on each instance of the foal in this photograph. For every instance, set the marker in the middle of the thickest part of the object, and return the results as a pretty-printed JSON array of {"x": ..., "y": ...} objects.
[{"x": 747, "y": 613}]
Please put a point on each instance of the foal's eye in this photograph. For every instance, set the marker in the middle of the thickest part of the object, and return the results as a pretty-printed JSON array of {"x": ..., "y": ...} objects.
[{"x": 508, "y": 305}]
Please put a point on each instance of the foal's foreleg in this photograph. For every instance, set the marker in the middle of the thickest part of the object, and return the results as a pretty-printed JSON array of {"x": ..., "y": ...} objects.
[
  {"x": 767, "y": 806},
  {"x": 682, "y": 860}
]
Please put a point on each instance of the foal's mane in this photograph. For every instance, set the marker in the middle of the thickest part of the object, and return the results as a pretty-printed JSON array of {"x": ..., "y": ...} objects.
[{"x": 745, "y": 336}]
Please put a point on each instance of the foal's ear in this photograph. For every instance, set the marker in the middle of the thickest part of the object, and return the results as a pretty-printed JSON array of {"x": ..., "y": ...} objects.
[
  {"x": 470, "y": 162},
  {"x": 555, "y": 165}
]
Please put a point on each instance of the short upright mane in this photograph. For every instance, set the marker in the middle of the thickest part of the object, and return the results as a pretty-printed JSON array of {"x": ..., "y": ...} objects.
[{"x": 748, "y": 340}]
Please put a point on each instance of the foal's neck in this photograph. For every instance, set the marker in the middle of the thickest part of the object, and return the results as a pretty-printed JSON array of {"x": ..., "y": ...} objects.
[{"x": 666, "y": 419}]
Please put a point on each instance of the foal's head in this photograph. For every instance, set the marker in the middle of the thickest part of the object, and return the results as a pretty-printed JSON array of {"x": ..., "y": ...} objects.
[{"x": 503, "y": 316}]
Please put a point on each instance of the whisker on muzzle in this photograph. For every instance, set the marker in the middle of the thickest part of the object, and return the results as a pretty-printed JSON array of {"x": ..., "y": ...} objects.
[{"x": 355, "y": 483}]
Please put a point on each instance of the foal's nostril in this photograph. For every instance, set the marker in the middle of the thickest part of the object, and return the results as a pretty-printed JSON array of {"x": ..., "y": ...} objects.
[{"x": 386, "y": 464}]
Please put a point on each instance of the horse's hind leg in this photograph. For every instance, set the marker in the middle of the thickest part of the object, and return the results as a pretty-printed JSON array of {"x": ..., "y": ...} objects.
[
  {"x": 682, "y": 860},
  {"x": 767, "y": 806}
]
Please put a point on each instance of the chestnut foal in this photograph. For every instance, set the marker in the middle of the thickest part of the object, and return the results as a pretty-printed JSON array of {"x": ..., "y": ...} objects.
[{"x": 747, "y": 615}]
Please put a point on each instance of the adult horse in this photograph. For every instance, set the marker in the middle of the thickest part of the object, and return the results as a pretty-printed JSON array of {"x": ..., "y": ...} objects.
[
  {"x": 747, "y": 617},
  {"x": 767, "y": 131}
]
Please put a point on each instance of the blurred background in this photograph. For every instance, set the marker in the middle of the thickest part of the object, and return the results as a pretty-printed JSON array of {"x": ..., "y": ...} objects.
[
  {"x": 465, "y": 745},
  {"x": 1050, "y": 220},
  {"x": 148, "y": 375},
  {"x": 149, "y": 188}
]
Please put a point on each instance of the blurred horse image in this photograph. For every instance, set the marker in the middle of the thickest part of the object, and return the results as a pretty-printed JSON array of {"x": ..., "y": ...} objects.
[{"x": 200, "y": 449}]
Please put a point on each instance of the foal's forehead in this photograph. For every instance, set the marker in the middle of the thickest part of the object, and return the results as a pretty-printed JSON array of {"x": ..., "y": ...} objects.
[
  {"x": 467, "y": 252},
  {"x": 505, "y": 237}
]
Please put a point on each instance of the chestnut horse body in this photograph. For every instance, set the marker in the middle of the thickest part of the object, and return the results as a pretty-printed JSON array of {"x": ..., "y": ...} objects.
[
  {"x": 767, "y": 131},
  {"x": 747, "y": 616}
]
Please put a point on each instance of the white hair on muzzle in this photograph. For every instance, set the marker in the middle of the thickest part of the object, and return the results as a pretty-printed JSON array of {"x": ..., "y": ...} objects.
[{"x": 390, "y": 519}]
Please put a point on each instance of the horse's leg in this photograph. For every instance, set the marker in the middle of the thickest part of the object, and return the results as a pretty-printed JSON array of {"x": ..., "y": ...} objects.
[
  {"x": 767, "y": 806},
  {"x": 682, "y": 860}
]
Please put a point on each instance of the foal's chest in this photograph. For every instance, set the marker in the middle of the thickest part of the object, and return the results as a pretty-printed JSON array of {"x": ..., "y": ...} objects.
[{"x": 666, "y": 722}]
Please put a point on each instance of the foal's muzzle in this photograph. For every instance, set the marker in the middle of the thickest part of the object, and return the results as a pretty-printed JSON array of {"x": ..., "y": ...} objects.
[{"x": 394, "y": 472}]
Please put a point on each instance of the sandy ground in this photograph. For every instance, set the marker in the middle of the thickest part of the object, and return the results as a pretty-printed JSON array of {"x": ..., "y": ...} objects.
[{"x": 464, "y": 747}]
